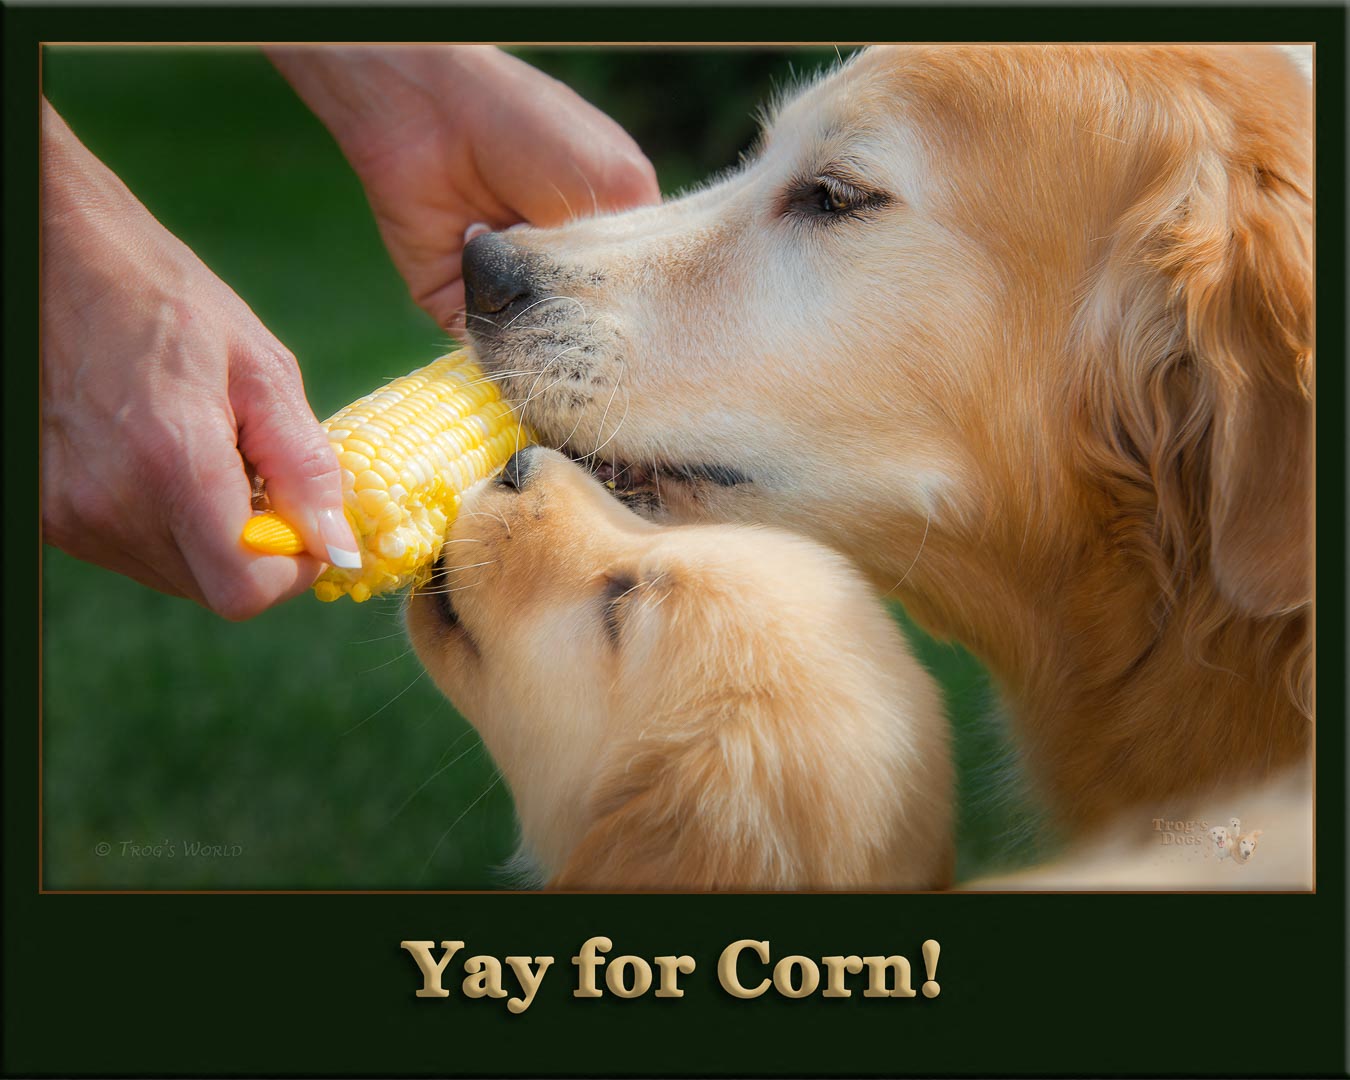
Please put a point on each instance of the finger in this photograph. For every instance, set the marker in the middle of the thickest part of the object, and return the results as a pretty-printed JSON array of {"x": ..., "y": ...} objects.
[
  {"x": 597, "y": 175},
  {"x": 279, "y": 434},
  {"x": 207, "y": 519},
  {"x": 446, "y": 306},
  {"x": 553, "y": 156}
]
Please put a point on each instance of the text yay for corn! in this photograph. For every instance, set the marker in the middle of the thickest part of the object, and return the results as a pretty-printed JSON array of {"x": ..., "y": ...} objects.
[{"x": 407, "y": 452}]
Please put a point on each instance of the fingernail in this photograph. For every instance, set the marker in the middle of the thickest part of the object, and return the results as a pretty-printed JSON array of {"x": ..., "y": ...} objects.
[
  {"x": 476, "y": 229},
  {"x": 343, "y": 550}
]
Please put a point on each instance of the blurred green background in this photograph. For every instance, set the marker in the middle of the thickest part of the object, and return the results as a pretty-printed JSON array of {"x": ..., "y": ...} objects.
[{"x": 305, "y": 745}]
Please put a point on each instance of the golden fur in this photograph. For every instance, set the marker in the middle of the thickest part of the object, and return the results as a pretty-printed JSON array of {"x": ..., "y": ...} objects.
[
  {"x": 699, "y": 707},
  {"x": 1051, "y": 385}
]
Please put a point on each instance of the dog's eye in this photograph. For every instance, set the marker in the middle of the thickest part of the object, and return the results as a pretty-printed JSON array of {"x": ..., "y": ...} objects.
[
  {"x": 827, "y": 198},
  {"x": 617, "y": 588},
  {"x": 832, "y": 197},
  {"x": 833, "y": 202}
]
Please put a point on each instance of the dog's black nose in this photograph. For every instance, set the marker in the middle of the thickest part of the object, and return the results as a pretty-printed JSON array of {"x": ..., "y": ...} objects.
[
  {"x": 519, "y": 468},
  {"x": 496, "y": 275}
]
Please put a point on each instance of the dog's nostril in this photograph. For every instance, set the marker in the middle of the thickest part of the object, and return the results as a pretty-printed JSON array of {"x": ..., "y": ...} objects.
[
  {"x": 496, "y": 274},
  {"x": 519, "y": 468}
]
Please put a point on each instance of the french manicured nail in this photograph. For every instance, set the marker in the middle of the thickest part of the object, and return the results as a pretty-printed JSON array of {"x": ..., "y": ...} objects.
[
  {"x": 343, "y": 550},
  {"x": 476, "y": 229}
]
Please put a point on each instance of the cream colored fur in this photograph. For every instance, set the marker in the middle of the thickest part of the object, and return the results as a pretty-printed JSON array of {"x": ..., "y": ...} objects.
[{"x": 705, "y": 707}]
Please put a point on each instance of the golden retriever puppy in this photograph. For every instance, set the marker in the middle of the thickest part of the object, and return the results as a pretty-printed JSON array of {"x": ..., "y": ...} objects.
[
  {"x": 1060, "y": 296},
  {"x": 684, "y": 708}
]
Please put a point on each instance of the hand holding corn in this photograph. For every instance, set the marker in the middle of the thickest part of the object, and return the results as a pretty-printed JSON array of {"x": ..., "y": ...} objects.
[
  {"x": 157, "y": 383},
  {"x": 406, "y": 451}
]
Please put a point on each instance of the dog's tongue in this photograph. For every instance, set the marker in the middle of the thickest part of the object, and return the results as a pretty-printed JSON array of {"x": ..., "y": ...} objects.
[{"x": 621, "y": 477}]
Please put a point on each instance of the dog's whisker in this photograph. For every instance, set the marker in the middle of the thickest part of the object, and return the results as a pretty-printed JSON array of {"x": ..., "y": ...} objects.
[
  {"x": 605, "y": 415},
  {"x": 484, "y": 318},
  {"x": 455, "y": 742},
  {"x": 386, "y": 704},
  {"x": 375, "y": 640},
  {"x": 531, "y": 394},
  {"x": 651, "y": 605},
  {"x": 581, "y": 415},
  {"x": 496, "y": 375},
  {"x": 427, "y": 865},
  {"x": 449, "y": 589},
  {"x": 521, "y": 423},
  {"x": 544, "y": 300},
  {"x": 617, "y": 427},
  {"x": 656, "y": 475},
  {"x": 491, "y": 513},
  {"x": 571, "y": 214},
  {"x": 466, "y": 566},
  {"x": 392, "y": 660},
  {"x": 595, "y": 203},
  {"x": 420, "y": 787},
  {"x": 923, "y": 540}
]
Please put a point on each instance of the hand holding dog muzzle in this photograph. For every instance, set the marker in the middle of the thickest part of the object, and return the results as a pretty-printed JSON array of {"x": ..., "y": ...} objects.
[{"x": 447, "y": 138}]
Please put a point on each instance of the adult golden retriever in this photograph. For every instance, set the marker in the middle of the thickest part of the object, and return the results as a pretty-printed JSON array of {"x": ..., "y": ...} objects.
[
  {"x": 1025, "y": 331},
  {"x": 705, "y": 707}
]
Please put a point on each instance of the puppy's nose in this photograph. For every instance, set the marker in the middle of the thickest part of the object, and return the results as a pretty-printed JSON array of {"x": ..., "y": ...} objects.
[
  {"x": 496, "y": 275},
  {"x": 519, "y": 467}
]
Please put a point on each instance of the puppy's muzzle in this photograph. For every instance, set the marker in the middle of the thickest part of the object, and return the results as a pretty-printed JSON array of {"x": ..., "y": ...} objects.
[{"x": 500, "y": 279}]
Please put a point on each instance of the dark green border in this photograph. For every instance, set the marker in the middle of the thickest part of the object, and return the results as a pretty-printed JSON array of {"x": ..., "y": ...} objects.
[{"x": 316, "y": 985}]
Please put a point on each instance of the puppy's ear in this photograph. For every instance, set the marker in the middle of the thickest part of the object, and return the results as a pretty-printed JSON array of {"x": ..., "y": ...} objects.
[{"x": 1248, "y": 319}]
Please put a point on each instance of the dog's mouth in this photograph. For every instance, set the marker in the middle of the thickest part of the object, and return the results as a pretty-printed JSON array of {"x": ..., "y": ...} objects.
[
  {"x": 440, "y": 590},
  {"x": 558, "y": 405},
  {"x": 640, "y": 485}
]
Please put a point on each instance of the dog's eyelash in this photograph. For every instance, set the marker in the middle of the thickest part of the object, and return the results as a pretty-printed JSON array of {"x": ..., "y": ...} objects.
[
  {"x": 616, "y": 588},
  {"x": 827, "y": 198}
]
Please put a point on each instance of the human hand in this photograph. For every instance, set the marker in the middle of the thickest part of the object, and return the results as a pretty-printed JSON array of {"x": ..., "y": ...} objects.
[
  {"x": 158, "y": 385},
  {"x": 446, "y": 138}
]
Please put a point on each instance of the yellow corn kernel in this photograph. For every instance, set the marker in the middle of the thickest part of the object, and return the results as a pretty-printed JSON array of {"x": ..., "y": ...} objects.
[{"x": 406, "y": 451}]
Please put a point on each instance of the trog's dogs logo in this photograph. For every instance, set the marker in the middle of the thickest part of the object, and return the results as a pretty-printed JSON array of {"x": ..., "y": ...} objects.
[{"x": 1228, "y": 843}]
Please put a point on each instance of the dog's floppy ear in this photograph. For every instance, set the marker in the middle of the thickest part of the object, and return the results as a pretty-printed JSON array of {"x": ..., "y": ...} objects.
[
  {"x": 1206, "y": 303},
  {"x": 1247, "y": 295}
]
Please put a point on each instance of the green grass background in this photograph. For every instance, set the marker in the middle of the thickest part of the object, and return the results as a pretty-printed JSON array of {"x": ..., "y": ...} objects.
[{"x": 306, "y": 741}]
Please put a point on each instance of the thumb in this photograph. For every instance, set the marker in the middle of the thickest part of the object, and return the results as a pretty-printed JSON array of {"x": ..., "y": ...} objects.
[
  {"x": 279, "y": 435},
  {"x": 550, "y": 155}
]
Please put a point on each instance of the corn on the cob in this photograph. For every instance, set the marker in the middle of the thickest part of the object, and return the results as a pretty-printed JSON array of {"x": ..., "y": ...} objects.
[{"x": 407, "y": 451}]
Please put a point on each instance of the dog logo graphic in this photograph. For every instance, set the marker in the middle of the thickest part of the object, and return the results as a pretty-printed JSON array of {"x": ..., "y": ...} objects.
[{"x": 1232, "y": 843}]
